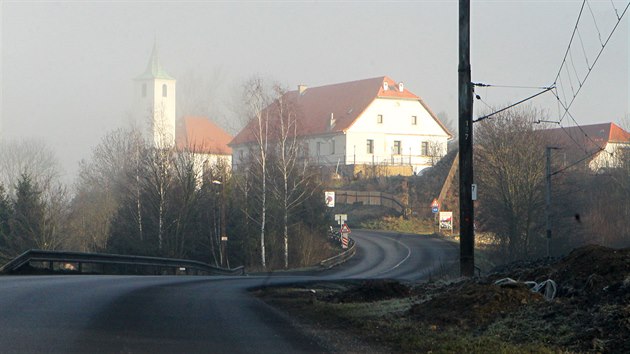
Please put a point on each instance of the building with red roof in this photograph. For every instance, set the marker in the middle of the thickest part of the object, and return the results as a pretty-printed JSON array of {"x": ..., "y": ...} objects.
[
  {"x": 155, "y": 93},
  {"x": 600, "y": 146},
  {"x": 367, "y": 122}
]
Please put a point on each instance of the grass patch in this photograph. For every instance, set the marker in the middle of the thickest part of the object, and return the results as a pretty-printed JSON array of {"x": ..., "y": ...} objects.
[{"x": 400, "y": 224}]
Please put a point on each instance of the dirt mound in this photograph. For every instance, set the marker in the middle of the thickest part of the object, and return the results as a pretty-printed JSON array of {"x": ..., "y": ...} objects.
[
  {"x": 372, "y": 290},
  {"x": 471, "y": 304},
  {"x": 591, "y": 310},
  {"x": 593, "y": 269}
]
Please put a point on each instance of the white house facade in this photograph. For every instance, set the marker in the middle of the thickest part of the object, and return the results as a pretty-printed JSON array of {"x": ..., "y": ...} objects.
[{"x": 367, "y": 122}]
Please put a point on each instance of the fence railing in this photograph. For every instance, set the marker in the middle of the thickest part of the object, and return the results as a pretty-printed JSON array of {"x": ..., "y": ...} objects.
[
  {"x": 340, "y": 258},
  {"x": 369, "y": 198},
  {"x": 102, "y": 263}
]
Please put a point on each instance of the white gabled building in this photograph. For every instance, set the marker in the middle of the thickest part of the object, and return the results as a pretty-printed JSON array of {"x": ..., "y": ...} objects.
[{"x": 362, "y": 123}]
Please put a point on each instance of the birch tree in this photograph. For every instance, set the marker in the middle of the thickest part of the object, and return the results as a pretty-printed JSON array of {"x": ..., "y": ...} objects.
[
  {"x": 291, "y": 188},
  {"x": 256, "y": 98}
]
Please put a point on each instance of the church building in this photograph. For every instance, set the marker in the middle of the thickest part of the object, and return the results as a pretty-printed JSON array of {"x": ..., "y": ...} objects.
[{"x": 156, "y": 116}]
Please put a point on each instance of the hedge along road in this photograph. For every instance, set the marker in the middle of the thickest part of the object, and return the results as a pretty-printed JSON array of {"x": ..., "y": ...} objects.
[{"x": 169, "y": 314}]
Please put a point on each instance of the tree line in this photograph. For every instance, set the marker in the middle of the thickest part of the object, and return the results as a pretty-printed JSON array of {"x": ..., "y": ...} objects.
[
  {"x": 587, "y": 206},
  {"x": 132, "y": 198}
]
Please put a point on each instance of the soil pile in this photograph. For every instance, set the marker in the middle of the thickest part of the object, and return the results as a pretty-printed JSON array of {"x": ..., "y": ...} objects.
[
  {"x": 589, "y": 312},
  {"x": 371, "y": 291}
]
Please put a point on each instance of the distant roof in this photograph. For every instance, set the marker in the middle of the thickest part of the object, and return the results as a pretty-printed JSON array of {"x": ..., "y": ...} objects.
[
  {"x": 345, "y": 101},
  {"x": 588, "y": 138},
  {"x": 199, "y": 134},
  {"x": 154, "y": 69}
]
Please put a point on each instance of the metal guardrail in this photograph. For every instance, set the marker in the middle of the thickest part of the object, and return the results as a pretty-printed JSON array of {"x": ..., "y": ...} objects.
[
  {"x": 340, "y": 258},
  {"x": 118, "y": 264}
]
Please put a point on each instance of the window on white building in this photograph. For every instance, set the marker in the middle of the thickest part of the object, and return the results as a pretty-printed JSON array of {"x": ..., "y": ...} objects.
[
  {"x": 379, "y": 119},
  {"x": 164, "y": 90},
  {"x": 414, "y": 120},
  {"x": 370, "y": 146},
  {"x": 144, "y": 90},
  {"x": 424, "y": 148},
  {"x": 397, "y": 147}
]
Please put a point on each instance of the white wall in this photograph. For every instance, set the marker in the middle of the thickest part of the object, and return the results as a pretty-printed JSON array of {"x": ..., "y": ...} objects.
[
  {"x": 397, "y": 126},
  {"x": 155, "y": 115}
]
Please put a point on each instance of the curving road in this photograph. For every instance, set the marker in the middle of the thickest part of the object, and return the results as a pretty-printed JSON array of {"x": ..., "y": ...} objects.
[{"x": 178, "y": 314}]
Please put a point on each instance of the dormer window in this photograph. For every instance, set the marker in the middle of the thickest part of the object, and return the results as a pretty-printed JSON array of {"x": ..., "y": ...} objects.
[{"x": 164, "y": 91}]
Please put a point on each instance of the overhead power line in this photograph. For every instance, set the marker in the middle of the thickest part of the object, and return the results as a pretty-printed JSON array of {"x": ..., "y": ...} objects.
[{"x": 568, "y": 59}]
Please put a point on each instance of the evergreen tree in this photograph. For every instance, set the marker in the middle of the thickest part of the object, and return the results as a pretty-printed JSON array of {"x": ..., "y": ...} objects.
[
  {"x": 28, "y": 218},
  {"x": 5, "y": 217}
]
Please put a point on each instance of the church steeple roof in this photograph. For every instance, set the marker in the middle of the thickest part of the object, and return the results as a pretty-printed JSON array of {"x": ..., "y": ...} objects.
[{"x": 154, "y": 69}]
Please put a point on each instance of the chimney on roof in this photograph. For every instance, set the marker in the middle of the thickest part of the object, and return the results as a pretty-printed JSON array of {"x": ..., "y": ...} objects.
[
  {"x": 302, "y": 88},
  {"x": 332, "y": 121},
  {"x": 401, "y": 88},
  {"x": 385, "y": 86}
]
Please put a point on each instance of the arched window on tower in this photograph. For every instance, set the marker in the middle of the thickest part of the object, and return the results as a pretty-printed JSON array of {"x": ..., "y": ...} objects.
[{"x": 164, "y": 90}]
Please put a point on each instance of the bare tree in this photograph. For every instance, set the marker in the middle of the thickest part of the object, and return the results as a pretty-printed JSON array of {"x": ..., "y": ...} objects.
[
  {"x": 30, "y": 157},
  {"x": 436, "y": 151},
  {"x": 108, "y": 179},
  {"x": 511, "y": 173},
  {"x": 257, "y": 99},
  {"x": 292, "y": 187}
]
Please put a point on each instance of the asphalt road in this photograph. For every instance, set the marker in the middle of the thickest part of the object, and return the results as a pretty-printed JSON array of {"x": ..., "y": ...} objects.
[{"x": 188, "y": 314}]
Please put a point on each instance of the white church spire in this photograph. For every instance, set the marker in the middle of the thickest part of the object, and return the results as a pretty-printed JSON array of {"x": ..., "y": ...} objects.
[{"x": 155, "y": 96}]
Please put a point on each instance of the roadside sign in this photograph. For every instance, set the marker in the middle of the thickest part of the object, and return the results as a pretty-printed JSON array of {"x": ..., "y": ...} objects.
[
  {"x": 330, "y": 198},
  {"x": 446, "y": 220},
  {"x": 341, "y": 218},
  {"x": 345, "y": 229},
  {"x": 435, "y": 210},
  {"x": 435, "y": 204}
]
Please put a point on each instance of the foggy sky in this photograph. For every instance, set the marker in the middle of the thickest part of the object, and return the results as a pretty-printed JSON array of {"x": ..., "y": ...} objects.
[{"x": 67, "y": 67}]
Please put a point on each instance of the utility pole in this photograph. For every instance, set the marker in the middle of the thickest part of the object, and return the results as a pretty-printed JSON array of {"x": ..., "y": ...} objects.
[
  {"x": 548, "y": 197},
  {"x": 466, "y": 210}
]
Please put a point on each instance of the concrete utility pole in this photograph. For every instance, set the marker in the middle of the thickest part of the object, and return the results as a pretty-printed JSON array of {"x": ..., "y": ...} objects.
[{"x": 466, "y": 210}]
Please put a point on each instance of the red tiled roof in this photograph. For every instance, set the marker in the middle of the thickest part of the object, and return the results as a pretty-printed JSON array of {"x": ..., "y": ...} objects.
[
  {"x": 345, "y": 101},
  {"x": 590, "y": 137},
  {"x": 199, "y": 134}
]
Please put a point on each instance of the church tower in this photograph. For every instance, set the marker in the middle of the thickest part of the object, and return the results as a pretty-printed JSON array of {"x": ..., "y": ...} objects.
[{"x": 155, "y": 97}]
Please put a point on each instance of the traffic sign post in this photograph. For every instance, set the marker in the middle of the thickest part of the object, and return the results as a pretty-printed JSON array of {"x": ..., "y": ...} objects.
[
  {"x": 435, "y": 209},
  {"x": 435, "y": 206},
  {"x": 345, "y": 240},
  {"x": 341, "y": 218}
]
